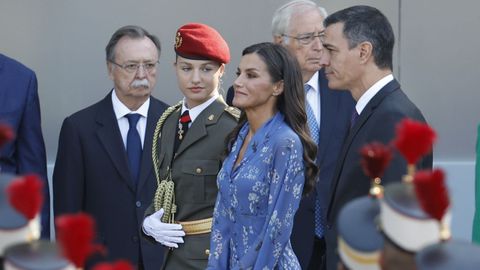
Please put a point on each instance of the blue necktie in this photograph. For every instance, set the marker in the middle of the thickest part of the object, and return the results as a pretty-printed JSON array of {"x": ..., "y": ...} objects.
[
  {"x": 315, "y": 134},
  {"x": 134, "y": 147}
]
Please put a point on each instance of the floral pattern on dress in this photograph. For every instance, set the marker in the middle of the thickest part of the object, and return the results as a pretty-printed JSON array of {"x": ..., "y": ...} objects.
[{"x": 257, "y": 200}]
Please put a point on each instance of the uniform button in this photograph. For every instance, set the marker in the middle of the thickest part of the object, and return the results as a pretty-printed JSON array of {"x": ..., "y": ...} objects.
[
  {"x": 207, "y": 252},
  {"x": 135, "y": 239},
  {"x": 138, "y": 203},
  {"x": 198, "y": 170}
]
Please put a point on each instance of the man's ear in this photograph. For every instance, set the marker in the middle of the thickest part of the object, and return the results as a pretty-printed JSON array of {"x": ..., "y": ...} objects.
[
  {"x": 278, "y": 39},
  {"x": 110, "y": 70},
  {"x": 365, "y": 51}
]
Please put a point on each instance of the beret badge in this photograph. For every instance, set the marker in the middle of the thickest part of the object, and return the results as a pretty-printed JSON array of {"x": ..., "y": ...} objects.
[
  {"x": 201, "y": 42},
  {"x": 178, "y": 40}
]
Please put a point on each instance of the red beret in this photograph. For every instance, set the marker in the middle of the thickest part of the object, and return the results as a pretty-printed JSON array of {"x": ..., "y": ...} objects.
[{"x": 200, "y": 41}]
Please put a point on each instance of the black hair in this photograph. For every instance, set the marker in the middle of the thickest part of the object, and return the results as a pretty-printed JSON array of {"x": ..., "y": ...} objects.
[
  {"x": 365, "y": 23},
  {"x": 282, "y": 66}
]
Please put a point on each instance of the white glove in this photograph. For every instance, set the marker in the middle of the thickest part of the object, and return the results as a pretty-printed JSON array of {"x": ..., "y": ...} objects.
[{"x": 167, "y": 234}]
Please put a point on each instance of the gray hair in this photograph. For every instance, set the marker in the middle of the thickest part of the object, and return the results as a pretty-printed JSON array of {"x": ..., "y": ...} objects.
[
  {"x": 281, "y": 17},
  {"x": 131, "y": 31}
]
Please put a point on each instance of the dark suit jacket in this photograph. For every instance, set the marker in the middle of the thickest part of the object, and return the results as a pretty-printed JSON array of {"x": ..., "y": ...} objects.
[
  {"x": 230, "y": 96},
  {"x": 20, "y": 108},
  {"x": 91, "y": 175},
  {"x": 377, "y": 122},
  {"x": 336, "y": 109},
  {"x": 194, "y": 172}
]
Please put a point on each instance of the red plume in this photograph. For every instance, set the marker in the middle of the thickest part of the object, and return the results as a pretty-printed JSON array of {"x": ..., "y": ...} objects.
[
  {"x": 118, "y": 265},
  {"x": 432, "y": 192},
  {"x": 25, "y": 194},
  {"x": 6, "y": 134},
  {"x": 375, "y": 159},
  {"x": 75, "y": 233},
  {"x": 414, "y": 139}
]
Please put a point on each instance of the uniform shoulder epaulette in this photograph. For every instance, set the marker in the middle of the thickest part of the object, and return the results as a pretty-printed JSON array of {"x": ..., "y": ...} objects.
[
  {"x": 178, "y": 105},
  {"x": 235, "y": 112},
  {"x": 171, "y": 109}
]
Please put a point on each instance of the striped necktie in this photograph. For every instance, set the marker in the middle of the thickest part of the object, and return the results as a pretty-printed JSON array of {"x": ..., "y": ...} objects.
[
  {"x": 311, "y": 120},
  {"x": 315, "y": 134}
]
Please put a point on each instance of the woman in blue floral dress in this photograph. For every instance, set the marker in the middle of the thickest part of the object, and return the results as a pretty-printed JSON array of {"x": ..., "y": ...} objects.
[{"x": 269, "y": 166}]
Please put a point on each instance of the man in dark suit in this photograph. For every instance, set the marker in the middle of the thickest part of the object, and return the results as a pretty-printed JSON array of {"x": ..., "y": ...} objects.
[
  {"x": 297, "y": 25},
  {"x": 20, "y": 108},
  {"x": 101, "y": 168},
  {"x": 359, "y": 46}
]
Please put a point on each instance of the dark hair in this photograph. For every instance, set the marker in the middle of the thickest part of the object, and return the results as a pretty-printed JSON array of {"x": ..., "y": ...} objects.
[
  {"x": 131, "y": 31},
  {"x": 365, "y": 23},
  {"x": 282, "y": 65}
]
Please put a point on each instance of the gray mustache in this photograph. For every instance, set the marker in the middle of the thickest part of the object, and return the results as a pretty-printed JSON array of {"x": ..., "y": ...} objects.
[{"x": 140, "y": 84}]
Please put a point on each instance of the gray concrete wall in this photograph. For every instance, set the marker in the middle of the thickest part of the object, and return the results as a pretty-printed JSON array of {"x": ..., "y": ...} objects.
[
  {"x": 434, "y": 59},
  {"x": 438, "y": 51}
]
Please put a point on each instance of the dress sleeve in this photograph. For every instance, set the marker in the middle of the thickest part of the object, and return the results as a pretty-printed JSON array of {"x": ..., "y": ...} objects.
[
  {"x": 286, "y": 185},
  {"x": 30, "y": 152},
  {"x": 220, "y": 236}
]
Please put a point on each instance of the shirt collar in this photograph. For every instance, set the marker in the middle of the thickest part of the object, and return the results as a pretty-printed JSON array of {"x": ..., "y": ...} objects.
[
  {"x": 371, "y": 92},
  {"x": 121, "y": 110},
  {"x": 195, "y": 111},
  {"x": 313, "y": 82}
]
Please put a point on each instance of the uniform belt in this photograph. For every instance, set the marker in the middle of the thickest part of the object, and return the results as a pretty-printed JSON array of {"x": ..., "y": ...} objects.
[{"x": 196, "y": 226}]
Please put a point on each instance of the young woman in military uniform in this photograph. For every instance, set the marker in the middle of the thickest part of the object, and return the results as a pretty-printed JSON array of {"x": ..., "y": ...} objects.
[{"x": 188, "y": 150}]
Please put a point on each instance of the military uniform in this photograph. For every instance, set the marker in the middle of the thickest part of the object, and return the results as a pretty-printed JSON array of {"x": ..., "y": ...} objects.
[
  {"x": 194, "y": 169},
  {"x": 453, "y": 254},
  {"x": 359, "y": 241}
]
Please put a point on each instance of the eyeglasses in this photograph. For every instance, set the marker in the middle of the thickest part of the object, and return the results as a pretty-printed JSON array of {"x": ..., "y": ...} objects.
[
  {"x": 306, "y": 39},
  {"x": 133, "y": 67}
]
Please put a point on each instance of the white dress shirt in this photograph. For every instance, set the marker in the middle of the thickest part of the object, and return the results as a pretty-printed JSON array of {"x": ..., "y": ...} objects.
[
  {"x": 371, "y": 92},
  {"x": 195, "y": 111},
  {"x": 313, "y": 96},
  {"x": 121, "y": 111}
]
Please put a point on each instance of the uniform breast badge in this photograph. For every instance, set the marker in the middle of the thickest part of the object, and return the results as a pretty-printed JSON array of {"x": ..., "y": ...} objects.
[{"x": 183, "y": 124}]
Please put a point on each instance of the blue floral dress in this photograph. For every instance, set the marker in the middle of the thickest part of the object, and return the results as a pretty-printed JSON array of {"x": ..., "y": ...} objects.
[{"x": 257, "y": 201}]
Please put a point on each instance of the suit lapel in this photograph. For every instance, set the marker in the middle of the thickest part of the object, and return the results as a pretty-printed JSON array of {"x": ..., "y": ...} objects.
[
  {"x": 154, "y": 112},
  {"x": 329, "y": 104},
  {"x": 109, "y": 135},
  {"x": 370, "y": 108},
  {"x": 366, "y": 113},
  {"x": 198, "y": 129}
]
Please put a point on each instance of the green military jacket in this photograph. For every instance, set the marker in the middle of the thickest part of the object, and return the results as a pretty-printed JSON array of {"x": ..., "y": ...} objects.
[{"x": 194, "y": 170}]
